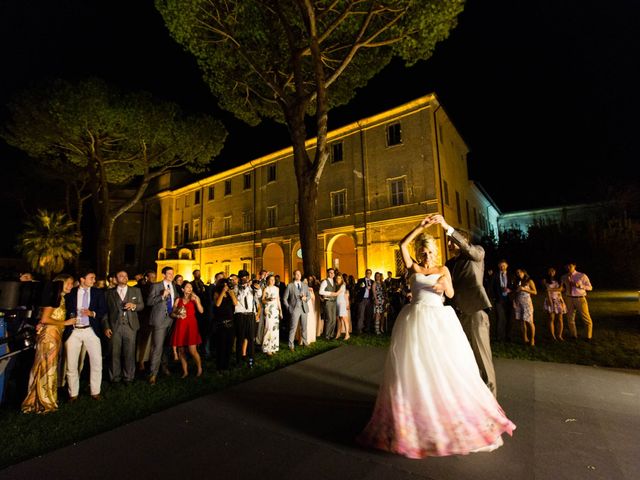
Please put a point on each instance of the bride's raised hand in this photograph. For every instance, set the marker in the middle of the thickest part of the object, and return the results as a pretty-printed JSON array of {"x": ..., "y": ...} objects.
[{"x": 426, "y": 221}]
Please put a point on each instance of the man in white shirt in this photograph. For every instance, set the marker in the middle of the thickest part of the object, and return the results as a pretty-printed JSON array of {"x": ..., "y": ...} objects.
[
  {"x": 364, "y": 298},
  {"x": 576, "y": 285},
  {"x": 245, "y": 318},
  {"x": 87, "y": 305},
  {"x": 328, "y": 294}
]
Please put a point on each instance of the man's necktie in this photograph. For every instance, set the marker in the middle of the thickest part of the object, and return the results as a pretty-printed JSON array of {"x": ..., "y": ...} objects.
[
  {"x": 85, "y": 304},
  {"x": 246, "y": 301},
  {"x": 299, "y": 287},
  {"x": 169, "y": 303}
]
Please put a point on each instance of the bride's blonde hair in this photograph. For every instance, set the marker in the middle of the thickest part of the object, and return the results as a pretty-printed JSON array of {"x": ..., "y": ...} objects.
[{"x": 424, "y": 240}]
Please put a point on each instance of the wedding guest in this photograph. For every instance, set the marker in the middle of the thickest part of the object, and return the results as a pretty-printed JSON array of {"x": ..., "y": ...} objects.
[
  {"x": 314, "y": 285},
  {"x": 328, "y": 294},
  {"x": 225, "y": 302},
  {"x": 42, "y": 394},
  {"x": 576, "y": 285},
  {"x": 204, "y": 318},
  {"x": 342, "y": 308},
  {"x": 162, "y": 298},
  {"x": 88, "y": 306},
  {"x": 523, "y": 307},
  {"x": 313, "y": 315},
  {"x": 365, "y": 302},
  {"x": 120, "y": 327},
  {"x": 185, "y": 334},
  {"x": 501, "y": 290},
  {"x": 296, "y": 297},
  {"x": 272, "y": 312},
  {"x": 247, "y": 315},
  {"x": 178, "y": 280},
  {"x": 554, "y": 304},
  {"x": 379, "y": 302},
  {"x": 143, "y": 341}
]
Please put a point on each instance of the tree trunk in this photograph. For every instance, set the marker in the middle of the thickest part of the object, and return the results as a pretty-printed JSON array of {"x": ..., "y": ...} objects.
[
  {"x": 105, "y": 245},
  {"x": 307, "y": 193}
]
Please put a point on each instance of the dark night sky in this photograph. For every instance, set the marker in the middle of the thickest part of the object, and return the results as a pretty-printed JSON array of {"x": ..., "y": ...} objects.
[{"x": 544, "y": 93}]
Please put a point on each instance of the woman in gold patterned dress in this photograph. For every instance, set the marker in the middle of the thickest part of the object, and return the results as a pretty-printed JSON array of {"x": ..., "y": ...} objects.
[{"x": 42, "y": 395}]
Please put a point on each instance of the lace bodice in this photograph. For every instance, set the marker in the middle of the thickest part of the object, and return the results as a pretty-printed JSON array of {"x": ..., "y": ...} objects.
[{"x": 422, "y": 289}]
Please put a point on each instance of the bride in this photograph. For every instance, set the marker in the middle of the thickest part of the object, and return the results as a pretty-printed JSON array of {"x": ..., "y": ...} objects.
[{"x": 432, "y": 400}]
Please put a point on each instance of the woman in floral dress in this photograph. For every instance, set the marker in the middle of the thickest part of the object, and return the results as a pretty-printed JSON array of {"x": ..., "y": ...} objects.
[
  {"x": 272, "y": 315},
  {"x": 554, "y": 304},
  {"x": 523, "y": 307}
]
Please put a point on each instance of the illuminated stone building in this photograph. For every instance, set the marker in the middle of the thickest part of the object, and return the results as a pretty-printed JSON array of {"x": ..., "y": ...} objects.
[{"x": 384, "y": 174}]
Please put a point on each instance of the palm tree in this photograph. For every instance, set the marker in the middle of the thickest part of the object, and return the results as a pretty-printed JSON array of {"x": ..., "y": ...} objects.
[{"x": 49, "y": 241}]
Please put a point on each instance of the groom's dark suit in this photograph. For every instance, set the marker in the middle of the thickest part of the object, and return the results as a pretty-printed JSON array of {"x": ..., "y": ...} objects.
[{"x": 470, "y": 300}]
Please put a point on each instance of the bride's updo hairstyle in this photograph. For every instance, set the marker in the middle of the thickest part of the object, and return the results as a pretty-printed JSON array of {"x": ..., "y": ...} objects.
[{"x": 424, "y": 240}]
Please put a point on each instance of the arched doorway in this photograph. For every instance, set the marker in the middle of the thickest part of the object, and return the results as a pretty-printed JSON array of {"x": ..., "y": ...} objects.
[
  {"x": 296, "y": 258},
  {"x": 273, "y": 259},
  {"x": 341, "y": 254}
]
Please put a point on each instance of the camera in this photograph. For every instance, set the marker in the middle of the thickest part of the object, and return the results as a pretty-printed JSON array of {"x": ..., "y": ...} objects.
[{"x": 230, "y": 283}]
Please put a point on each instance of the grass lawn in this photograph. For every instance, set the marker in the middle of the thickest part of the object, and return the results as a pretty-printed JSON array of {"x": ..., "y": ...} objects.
[{"x": 26, "y": 436}]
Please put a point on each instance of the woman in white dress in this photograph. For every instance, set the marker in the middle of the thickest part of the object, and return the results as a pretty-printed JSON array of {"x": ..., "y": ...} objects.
[
  {"x": 272, "y": 315},
  {"x": 312, "y": 315},
  {"x": 342, "y": 306},
  {"x": 432, "y": 400}
]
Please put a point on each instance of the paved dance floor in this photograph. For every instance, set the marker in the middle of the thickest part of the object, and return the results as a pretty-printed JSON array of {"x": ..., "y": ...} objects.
[{"x": 573, "y": 422}]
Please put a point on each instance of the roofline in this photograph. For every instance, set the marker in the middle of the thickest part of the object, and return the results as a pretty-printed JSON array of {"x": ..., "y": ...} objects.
[{"x": 479, "y": 186}]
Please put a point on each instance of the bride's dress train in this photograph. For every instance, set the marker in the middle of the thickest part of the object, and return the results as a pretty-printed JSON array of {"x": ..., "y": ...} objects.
[{"x": 432, "y": 401}]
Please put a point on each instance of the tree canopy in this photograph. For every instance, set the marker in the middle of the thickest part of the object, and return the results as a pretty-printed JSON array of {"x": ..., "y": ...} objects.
[
  {"x": 110, "y": 139},
  {"x": 257, "y": 54}
]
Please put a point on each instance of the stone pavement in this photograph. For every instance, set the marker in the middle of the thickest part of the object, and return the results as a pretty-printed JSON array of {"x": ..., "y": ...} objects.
[{"x": 573, "y": 422}]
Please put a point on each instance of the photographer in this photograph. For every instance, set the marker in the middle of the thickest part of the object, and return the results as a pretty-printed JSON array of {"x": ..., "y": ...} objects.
[
  {"x": 225, "y": 302},
  {"x": 247, "y": 315}
]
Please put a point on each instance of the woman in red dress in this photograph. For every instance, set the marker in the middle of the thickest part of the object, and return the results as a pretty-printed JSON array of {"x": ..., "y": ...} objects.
[{"x": 185, "y": 332}]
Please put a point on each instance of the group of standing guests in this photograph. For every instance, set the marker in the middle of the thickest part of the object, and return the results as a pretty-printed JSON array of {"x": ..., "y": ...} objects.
[{"x": 565, "y": 295}]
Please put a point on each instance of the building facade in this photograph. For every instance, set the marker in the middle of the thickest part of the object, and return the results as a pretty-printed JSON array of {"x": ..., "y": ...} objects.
[{"x": 384, "y": 174}]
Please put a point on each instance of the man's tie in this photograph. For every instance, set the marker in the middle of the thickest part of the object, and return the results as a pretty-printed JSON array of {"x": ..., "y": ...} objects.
[
  {"x": 85, "y": 304},
  {"x": 246, "y": 302},
  {"x": 298, "y": 285},
  {"x": 169, "y": 302}
]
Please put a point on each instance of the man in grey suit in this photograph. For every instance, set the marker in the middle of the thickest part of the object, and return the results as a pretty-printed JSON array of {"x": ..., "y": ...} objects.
[
  {"x": 121, "y": 326},
  {"x": 470, "y": 298},
  {"x": 162, "y": 297},
  {"x": 295, "y": 301}
]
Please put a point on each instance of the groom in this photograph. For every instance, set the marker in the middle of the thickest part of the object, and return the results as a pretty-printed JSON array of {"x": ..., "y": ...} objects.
[{"x": 470, "y": 299}]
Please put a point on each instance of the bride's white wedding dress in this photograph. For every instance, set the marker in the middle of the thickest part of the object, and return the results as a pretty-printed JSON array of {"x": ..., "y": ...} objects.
[{"x": 432, "y": 401}]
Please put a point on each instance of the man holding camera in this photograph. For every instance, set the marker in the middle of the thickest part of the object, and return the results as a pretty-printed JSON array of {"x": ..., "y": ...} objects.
[
  {"x": 246, "y": 316},
  {"x": 120, "y": 327}
]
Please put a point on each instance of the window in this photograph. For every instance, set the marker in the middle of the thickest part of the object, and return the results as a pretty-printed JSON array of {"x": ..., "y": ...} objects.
[
  {"x": 227, "y": 187},
  {"x": 247, "y": 181},
  {"x": 336, "y": 152},
  {"x": 475, "y": 216},
  {"x": 458, "y": 211},
  {"x": 272, "y": 216},
  {"x": 441, "y": 134},
  {"x": 397, "y": 191},
  {"x": 466, "y": 203},
  {"x": 212, "y": 193},
  {"x": 186, "y": 201},
  {"x": 177, "y": 204},
  {"x": 227, "y": 225},
  {"x": 176, "y": 234},
  {"x": 445, "y": 188},
  {"x": 394, "y": 134},
  {"x": 272, "y": 172},
  {"x": 196, "y": 200},
  {"x": 245, "y": 266},
  {"x": 338, "y": 203},
  {"x": 196, "y": 229},
  {"x": 296, "y": 217},
  {"x": 246, "y": 222},
  {"x": 209, "y": 231},
  {"x": 185, "y": 233},
  {"x": 129, "y": 254}
]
